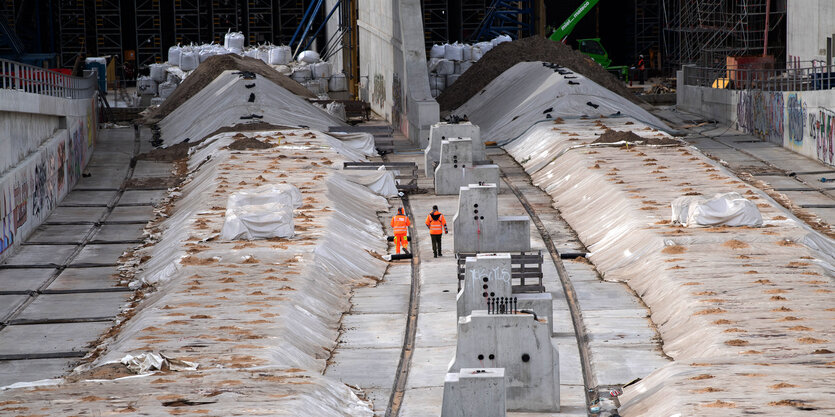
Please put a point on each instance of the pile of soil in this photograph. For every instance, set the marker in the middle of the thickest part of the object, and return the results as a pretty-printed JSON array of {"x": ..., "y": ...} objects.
[
  {"x": 208, "y": 70},
  {"x": 613, "y": 136},
  {"x": 169, "y": 154},
  {"x": 248, "y": 127},
  {"x": 248, "y": 143},
  {"x": 507, "y": 54}
]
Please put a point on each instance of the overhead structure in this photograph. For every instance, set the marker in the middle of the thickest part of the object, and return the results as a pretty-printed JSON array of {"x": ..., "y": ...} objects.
[{"x": 514, "y": 18}]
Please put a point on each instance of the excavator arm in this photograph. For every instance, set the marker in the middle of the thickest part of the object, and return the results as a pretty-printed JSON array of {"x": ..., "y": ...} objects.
[{"x": 567, "y": 27}]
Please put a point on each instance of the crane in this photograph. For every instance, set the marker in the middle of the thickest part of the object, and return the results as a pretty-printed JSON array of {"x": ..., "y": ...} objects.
[{"x": 590, "y": 46}]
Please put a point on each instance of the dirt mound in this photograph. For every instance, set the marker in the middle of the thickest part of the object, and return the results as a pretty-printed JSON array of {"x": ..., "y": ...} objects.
[
  {"x": 613, "y": 136},
  {"x": 169, "y": 154},
  {"x": 508, "y": 54},
  {"x": 245, "y": 143},
  {"x": 208, "y": 70}
]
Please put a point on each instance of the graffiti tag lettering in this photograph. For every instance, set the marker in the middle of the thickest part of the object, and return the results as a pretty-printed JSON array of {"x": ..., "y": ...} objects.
[
  {"x": 822, "y": 130},
  {"x": 796, "y": 115},
  {"x": 761, "y": 114}
]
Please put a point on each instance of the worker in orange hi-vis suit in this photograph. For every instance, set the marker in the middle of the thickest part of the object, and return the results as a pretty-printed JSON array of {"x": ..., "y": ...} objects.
[
  {"x": 436, "y": 223},
  {"x": 400, "y": 224}
]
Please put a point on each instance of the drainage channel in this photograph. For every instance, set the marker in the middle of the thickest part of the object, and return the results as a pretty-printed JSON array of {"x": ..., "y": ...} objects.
[{"x": 16, "y": 318}]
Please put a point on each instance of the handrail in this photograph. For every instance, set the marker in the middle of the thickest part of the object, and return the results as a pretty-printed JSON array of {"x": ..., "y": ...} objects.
[
  {"x": 36, "y": 80},
  {"x": 799, "y": 76}
]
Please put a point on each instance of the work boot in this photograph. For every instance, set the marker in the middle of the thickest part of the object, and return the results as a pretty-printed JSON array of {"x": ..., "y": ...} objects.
[
  {"x": 434, "y": 255},
  {"x": 439, "y": 254}
]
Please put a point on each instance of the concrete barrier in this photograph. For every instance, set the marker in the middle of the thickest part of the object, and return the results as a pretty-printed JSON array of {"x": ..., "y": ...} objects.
[
  {"x": 46, "y": 144},
  {"x": 479, "y": 228},
  {"x": 475, "y": 392},
  {"x": 457, "y": 167},
  {"x": 442, "y": 131}
]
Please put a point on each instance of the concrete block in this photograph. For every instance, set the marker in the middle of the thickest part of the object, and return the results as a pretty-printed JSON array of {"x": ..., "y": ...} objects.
[
  {"x": 542, "y": 304},
  {"x": 457, "y": 167},
  {"x": 475, "y": 392},
  {"x": 485, "y": 275},
  {"x": 442, "y": 131},
  {"x": 478, "y": 227},
  {"x": 520, "y": 345}
]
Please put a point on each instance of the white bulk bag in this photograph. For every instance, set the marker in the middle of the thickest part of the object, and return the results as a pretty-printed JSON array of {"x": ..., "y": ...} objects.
[
  {"x": 437, "y": 51},
  {"x": 467, "y": 52},
  {"x": 234, "y": 41},
  {"x": 501, "y": 39},
  {"x": 174, "y": 55},
  {"x": 338, "y": 82},
  {"x": 477, "y": 53},
  {"x": 166, "y": 88},
  {"x": 445, "y": 67},
  {"x": 451, "y": 78},
  {"x": 264, "y": 54},
  {"x": 437, "y": 82},
  {"x": 251, "y": 53},
  {"x": 145, "y": 86},
  {"x": 189, "y": 60},
  {"x": 278, "y": 56},
  {"x": 301, "y": 74},
  {"x": 309, "y": 57},
  {"x": 729, "y": 209},
  {"x": 453, "y": 52},
  {"x": 321, "y": 70},
  {"x": 158, "y": 72},
  {"x": 464, "y": 66},
  {"x": 205, "y": 53}
]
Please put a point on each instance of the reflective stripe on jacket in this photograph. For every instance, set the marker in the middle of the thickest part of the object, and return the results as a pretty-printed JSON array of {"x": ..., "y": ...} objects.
[
  {"x": 400, "y": 223},
  {"x": 436, "y": 223}
]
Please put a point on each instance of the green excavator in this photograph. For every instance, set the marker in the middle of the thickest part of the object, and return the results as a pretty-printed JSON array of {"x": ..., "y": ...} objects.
[{"x": 591, "y": 46}]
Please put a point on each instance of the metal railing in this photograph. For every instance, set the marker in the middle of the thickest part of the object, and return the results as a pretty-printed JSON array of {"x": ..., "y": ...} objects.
[
  {"x": 800, "y": 76},
  {"x": 32, "y": 79}
]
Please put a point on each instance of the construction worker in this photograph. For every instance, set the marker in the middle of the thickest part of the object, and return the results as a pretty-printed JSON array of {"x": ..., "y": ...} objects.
[
  {"x": 400, "y": 224},
  {"x": 436, "y": 223},
  {"x": 642, "y": 69}
]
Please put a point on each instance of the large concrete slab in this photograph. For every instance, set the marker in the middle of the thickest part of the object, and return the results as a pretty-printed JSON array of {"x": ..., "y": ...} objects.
[
  {"x": 60, "y": 233},
  {"x": 74, "y": 306},
  {"x": 24, "y": 279},
  {"x": 102, "y": 178},
  {"x": 119, "y": 233},
  {"x": 429, "y": 365},
  {"x": 74, "y": 279},
  {"x": 803, "y": 198},
  {"x": 32, "y": 370},
  {"x": 372, "y": 331},
  {"x": 104, "y": 254},
  {"x": 49, "y": 338},
  {"x": 142, "y": 196},
  {"x": 131, "y": 214},
  {"x": 41, "y": 255},
  {"x": 437, "y": 329},
  {"x": 88, "y": 198},
  {"x": 366, "y": 368},
  {"x": 76, "y": 215},
  {"x": 152, "y": 169},
  {"x": 388, "y": 299},
  {"x": 422, "y": 402},
  {"x": 8, "y": 303}
]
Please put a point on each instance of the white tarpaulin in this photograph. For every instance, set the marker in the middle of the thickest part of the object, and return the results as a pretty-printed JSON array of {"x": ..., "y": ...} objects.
[
  {"x": 262, "y": 213},
  {"x": 148, "y": 362},
  {"x": 380, "y": 181},
  {"x": 360, "y": 141},
  {"x": 728, "y": 209}
]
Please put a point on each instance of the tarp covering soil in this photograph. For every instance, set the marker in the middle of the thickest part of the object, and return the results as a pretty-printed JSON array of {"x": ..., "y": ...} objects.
[
  {"x": 208, "y": 70},
  {"x": 614, "y": 136},
  {"x": 508, "y": 54}
]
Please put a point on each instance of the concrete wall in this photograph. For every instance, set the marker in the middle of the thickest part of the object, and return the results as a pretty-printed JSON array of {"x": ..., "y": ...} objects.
[
  {"x": 393, "y": 63},
  {"x": 331, "y": 28},
  {"x": 802, "y": 121},
  {"x": 45, "y": 143},
  {"x": 808, "y": 24}
]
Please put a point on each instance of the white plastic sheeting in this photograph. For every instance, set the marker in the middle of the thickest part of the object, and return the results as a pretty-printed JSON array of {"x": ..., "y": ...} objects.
[
  {"x": 362, "y": 142},
  {"x": 226, "y": 99},
  {"x": 147, "y": 362},
  {"x": 261, "y": 213},
  {"x": 518, "y": 98},
  {"x": 726, "y": 209},
  {"x": 337, "y": 110},
  {"x": 380, "y": 181},
  {"x": 309, "y": 57}
]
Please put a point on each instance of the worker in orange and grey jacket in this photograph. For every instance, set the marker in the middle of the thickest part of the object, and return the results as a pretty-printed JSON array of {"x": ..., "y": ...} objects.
[
  {"x": 436, "y": 223},
  {"x": 400, "y": 224}
]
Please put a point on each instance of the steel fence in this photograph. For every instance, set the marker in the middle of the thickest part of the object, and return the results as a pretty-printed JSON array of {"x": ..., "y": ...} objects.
[
  {"x": 36, "y": 80},
  {"x": 802, "y": 76}
]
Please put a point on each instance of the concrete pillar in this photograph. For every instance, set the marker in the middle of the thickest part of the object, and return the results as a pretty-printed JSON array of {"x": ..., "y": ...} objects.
[
  {"x": 456, "y": 167},
  {"x": 475, "y": 392},
  {"x": 485, "y": 275},
  {"x": 520, "y": 345},
  {"x": 442, "y": 131},
  {"x": 479, "y": 228}
]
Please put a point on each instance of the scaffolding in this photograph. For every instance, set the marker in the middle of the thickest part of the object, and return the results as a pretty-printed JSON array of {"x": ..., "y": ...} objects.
[{"x": 706, "y": 32}]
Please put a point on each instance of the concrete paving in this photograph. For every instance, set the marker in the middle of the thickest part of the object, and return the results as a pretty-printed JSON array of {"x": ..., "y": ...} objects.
[{"x": 72, "y": 309}]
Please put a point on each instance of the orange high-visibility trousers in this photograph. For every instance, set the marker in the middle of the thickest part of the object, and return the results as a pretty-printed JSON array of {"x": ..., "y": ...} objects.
[{"x": 401, "y": 240}]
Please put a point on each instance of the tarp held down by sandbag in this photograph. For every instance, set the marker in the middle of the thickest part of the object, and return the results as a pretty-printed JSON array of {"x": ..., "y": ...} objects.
[
  {"x": 262, "y": 213},
  {"x": 728, "y": 209}
]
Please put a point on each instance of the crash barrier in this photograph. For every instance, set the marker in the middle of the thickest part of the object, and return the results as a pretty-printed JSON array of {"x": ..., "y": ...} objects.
[
  {"x": 406, "y": 172},
  {"x": 35, "y": 80},
  {"x": 526, "y": 272}
]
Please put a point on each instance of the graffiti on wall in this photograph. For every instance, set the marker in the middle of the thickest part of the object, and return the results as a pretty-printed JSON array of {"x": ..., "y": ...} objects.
[
  {"x": 761, "y": 114},
  {"x": 378, "y": 93},
  {"x": 397, "y": 101},
  {"x": 795, "y": 119},
  {"x": 75, "y": 161},
  {"x": 21, "y": 200},
  {"x": 7, "y": 220},
  {"x": 822, "y": 130}
]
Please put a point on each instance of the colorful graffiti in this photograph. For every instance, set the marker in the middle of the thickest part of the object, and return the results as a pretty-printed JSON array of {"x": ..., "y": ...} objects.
[
  {"x": 795, "y": 118},
  {"x": 761, "y": 114},
  {"x": 21, "y": 200},
  {"x": 822, "y": 130},
  {"x": 7, "y": 218}
]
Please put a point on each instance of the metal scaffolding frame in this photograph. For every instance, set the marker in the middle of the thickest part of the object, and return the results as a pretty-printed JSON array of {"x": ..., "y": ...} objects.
[{"x": 706, "y": 32}]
